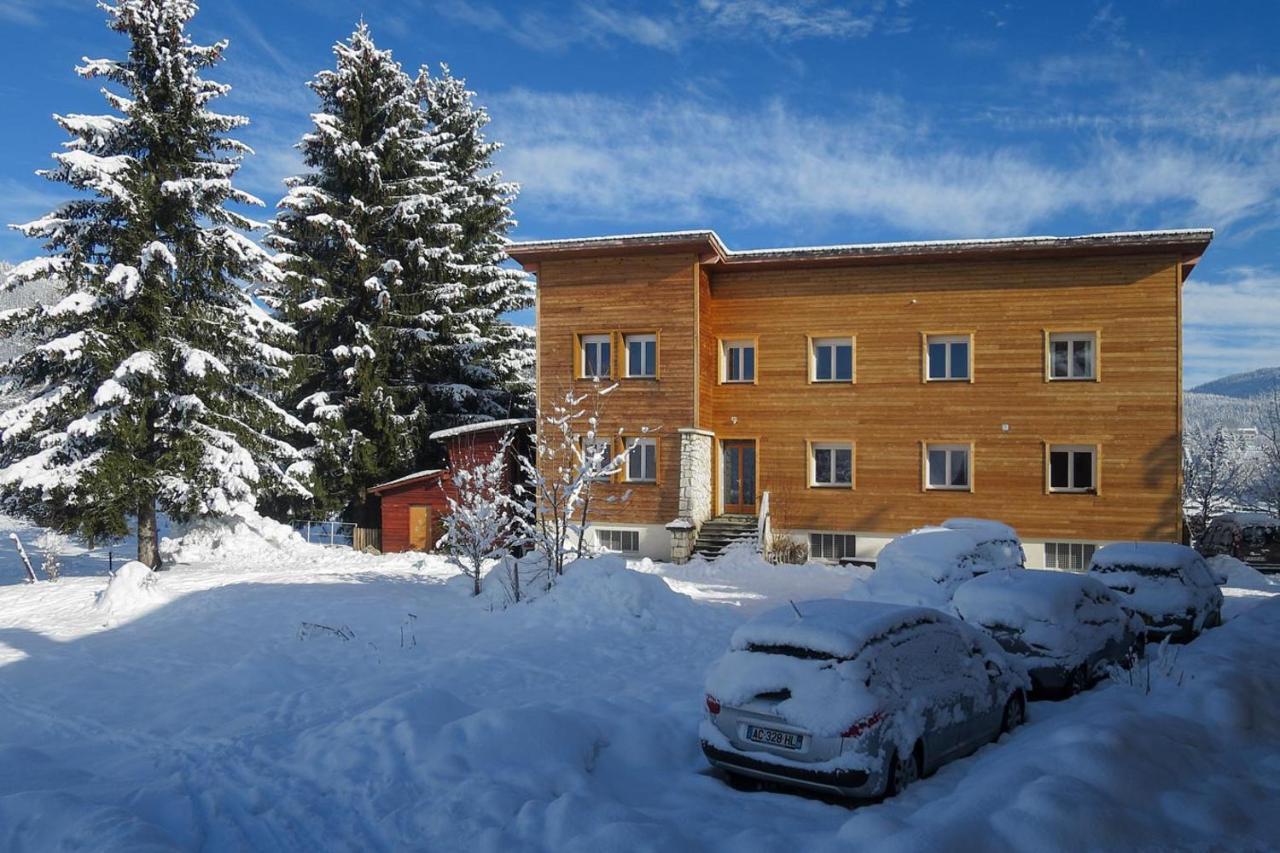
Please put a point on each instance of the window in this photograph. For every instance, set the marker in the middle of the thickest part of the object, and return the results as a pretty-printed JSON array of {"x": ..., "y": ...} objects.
[
  {"x": 1072, "y": 468},
  {"x": 831, "y": 360},
  {"x": 597, "y": 359},
  {"x": 739, "y": 361},
  {"x": 598, "y": 453},
  {"x": 642, "y": 356},
  {"x": 832, "y": 546},
  {"x": 642, "y": 460},
  {"x": 619, "y": 541},
  {"x": 1073, "y": 355},
  {"x": 947, "y": 467},
  {"x": 831, "y": 464},
  {"x": 947, "y": 357},
  {"x": 1074, "y": 556}
]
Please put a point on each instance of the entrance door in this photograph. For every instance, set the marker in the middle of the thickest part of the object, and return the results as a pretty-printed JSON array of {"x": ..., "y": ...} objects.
[
  {"x": 738, "y": 476},
  {"x": 419, "y": 527}
]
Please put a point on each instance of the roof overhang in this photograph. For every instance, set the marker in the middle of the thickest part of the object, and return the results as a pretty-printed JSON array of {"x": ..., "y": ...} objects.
[
  {"x": 409, "y": 479},
  {"x": 1185, "y": 244}
]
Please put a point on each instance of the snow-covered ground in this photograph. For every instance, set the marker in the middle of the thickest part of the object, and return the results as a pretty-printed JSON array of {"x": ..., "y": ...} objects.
[{"x": 208, "y": 712}]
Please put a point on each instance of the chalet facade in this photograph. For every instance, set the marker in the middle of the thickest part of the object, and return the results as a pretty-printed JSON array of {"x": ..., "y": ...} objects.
[{"x": 869, "y": 389}]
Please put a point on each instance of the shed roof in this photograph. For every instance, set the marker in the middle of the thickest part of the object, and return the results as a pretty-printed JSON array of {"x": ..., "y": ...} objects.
[
  {"x": 482, "y": 426},
  {"x": 428, "y": 474}
]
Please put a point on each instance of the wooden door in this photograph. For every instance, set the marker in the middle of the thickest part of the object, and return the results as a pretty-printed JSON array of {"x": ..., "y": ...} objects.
[
  {"x": 419, "y": 528},
  {"x": 738, "y": 476}
]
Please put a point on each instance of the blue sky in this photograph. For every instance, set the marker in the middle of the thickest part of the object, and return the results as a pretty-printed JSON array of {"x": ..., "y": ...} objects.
[{"x": 784, "y": 122}]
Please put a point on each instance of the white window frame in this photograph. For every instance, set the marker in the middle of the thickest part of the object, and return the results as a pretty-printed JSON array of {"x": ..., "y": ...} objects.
[
  {"x": 949, "y": 449},
  {"x": 607, "y": 444},
  {"x": 1071, "y": 450},
  {"x": 844, "y": 539},
  {"x": 620, "y": 535},
  {"x": 949, "y": 340},
  {"x": 648, "y": 371},
  {"x": 833, "y": 446},
  {"x": 727, "y": 346},
  {"x": 833, "y": 341},
  {"x": 1086, "y": 550},
  {"x": 596, "y": 340},
  {"x": 1070, "y": 338},
  {"x": 645, "y": 476}
]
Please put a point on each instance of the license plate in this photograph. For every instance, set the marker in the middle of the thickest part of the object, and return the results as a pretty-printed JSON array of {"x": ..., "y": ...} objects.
[{"x": 773, "y": 737}]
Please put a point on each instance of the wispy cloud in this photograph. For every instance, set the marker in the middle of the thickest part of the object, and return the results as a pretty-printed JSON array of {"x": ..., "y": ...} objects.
[
  {"x": 578, "y": 155},
  {"x": 1230, "y": 324},
  {"x": 674, "y": 25}
]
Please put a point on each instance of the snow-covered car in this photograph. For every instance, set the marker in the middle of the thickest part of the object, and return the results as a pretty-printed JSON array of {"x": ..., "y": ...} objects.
[
  {"x": 1065, "y": 628},
  {"x": 856, "y": 698},
  {"x": 1169, "y": 586},
  {"x": 998, "y": 542},
  {"x": 1250, "y": 537},
  {"x": 924, "y": 567}
]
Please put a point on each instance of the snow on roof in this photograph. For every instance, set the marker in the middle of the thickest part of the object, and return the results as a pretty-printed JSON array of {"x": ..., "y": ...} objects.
[
  {"x": 983, "y": 528},
  {"x": 833, "y": 626},
  {"x": 1145, "y": 555},
  {"x": 406, "y": 478},
  {"x": 478, "y": 427},
  {"x": 1114, "y": 239},
  {"x": 1258, "y": 519},
  {"x": 1011, "y": 598}
]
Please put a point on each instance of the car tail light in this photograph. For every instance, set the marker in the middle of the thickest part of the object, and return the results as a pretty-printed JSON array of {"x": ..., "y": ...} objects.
[
  {"x": 863, "y": 725},
  {"x": 713, "y": 704}
]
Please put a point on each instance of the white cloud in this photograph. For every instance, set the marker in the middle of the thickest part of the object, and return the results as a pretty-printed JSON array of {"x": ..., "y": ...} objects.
[
  {"x": 1230, "y": 323},
  {"x": 672, "y": 26},
  {"x": 684, "y": 159}
]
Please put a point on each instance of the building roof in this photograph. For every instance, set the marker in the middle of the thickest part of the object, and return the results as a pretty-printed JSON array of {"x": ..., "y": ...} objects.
[
  {"x": 408, "y": 478},
  {"x": 1187, "y": 243},
  {"x": 482, "y": 426}
]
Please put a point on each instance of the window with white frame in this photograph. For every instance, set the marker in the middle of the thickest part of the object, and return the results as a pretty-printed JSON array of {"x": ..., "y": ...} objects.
[
  {"x": 832, "y": 546},
  {"x": 947, "y": 466},
  {"x": 596, "y": 356},
  {"x": 618, "y": 541},
  {"x": 642, "y": 356},
  {"x": 831, "y": 464},
  {"x": 1072, "y": 556},
  {"x": 831, "y": 360},
  {"x": 739, "y": 361},
  {"x": 1073, "y": 468},
  {"x": 1073, "y": 355},
  {"x": 598, "y": 453},
  {"x": 642, "y": 460},
  {"x": 947, "y": 357}
]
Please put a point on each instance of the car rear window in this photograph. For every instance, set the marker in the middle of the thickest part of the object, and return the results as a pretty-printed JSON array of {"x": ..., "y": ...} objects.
[
  {"x": 1145, "y": 571},
  {"x": 790, "y": 651}
]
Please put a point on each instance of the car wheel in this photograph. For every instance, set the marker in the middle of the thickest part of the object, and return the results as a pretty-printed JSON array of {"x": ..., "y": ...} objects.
[
  {"x": 903, "y": 772},
  {"x": 1015, "y": 712}
]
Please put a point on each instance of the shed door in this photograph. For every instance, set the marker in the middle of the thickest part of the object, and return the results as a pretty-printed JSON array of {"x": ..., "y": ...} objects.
[{"x": 419, "y": 527}]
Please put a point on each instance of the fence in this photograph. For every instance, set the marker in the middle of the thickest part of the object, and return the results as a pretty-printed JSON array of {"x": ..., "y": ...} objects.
[{"x": 340, "y": 533}]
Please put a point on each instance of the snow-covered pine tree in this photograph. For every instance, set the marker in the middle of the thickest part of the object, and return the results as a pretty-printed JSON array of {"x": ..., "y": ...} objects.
[
  {"x": 369, "y": 216},
  {"x": 149, "y": 387},
  {"x": 475, "y": 365}
]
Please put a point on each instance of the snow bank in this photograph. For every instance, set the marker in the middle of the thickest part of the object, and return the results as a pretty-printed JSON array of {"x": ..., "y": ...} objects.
[
  {"x": 1240, "y": 575},
  {"x": 603, "y": 591},
  {"x": 249, "y": 536},
  {"x": 133, "y": 586},
  {"x": 1063, "y": 617}
]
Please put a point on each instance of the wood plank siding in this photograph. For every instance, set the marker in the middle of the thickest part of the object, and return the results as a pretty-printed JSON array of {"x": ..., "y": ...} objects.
[
  {"x": 651, "y": 294},
  {"x": 1006, "y": 297},
  {"x": 1131, "y": 414}
]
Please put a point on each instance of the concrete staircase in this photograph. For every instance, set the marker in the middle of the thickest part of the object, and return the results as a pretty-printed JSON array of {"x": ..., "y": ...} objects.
[{"x": 718, "y": 533}]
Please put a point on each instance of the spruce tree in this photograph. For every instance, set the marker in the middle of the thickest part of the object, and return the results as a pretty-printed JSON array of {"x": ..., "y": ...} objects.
[
  {"x": 149, "y": 389},
  {"x": 355, "y": 238},
  {"x": 476, "y": 365}
]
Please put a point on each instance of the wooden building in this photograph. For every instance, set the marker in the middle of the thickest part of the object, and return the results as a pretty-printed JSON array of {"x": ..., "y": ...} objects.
[
  {"x": 413, "y": 507},
  {"x": 871, "y": 389}
]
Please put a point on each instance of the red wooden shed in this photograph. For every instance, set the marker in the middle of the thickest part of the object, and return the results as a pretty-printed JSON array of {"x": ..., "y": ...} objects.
[{"x": 412, "y": 507}]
